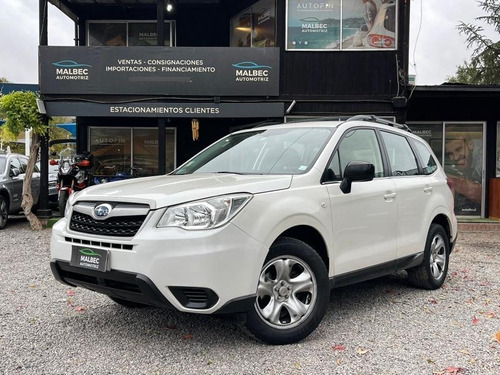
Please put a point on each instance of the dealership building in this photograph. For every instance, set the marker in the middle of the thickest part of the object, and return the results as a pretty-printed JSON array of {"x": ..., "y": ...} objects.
[{"x": 152, "y": 82}]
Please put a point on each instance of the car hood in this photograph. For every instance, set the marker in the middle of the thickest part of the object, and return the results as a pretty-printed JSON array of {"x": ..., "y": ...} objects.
[{"x": 162, "y": 191}]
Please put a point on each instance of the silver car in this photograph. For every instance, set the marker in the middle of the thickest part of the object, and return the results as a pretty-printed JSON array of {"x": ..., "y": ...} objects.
[{"x": 12, "y": 171}]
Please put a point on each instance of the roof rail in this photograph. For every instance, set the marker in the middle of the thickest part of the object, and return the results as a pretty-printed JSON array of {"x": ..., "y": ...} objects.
[{"x": 379, "y": 120}]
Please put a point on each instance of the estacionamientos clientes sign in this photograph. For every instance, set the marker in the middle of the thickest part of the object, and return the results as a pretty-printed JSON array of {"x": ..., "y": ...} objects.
[{"x": 198, "y": 71}]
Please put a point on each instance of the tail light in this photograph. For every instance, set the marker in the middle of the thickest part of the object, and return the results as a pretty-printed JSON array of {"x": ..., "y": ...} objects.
[
  {"x": 380, "y": 41},
  {"x": 53, "y": 162},
  {"x": 83, "y": 163}
]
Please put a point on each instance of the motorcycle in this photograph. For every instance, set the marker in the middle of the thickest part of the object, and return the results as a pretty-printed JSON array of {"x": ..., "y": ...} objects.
[{"x": 73, "y": 174}]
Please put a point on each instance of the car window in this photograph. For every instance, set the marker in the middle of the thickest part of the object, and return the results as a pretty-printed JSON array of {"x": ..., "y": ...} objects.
[
  {"x": 270, "y": 151},
  {"x": 14, "y": 163},
  {"x": 401, "y": 156},
  {"x": 427, "y": 159},
  {"x": 357, "y": 145},
  {"x": 24, "y": 164},
  {"x": 2, "y": 164}
]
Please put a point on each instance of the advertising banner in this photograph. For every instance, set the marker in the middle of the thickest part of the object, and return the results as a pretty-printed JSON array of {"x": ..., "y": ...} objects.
[
  {"x": 196, "y": 71},
  {"x": 326, "y": 25},
  {"x": 464, "y": 166}
]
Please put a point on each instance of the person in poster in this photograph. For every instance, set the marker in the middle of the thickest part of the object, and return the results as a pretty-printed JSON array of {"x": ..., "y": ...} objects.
[{"x": 464, "y": 164}]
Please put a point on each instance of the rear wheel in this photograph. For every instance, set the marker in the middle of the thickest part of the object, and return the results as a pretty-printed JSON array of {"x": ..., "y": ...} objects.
[
  {"x": 292, "y": 294},
  {"x": 432, "y": 272},
  {"x": 63, "y": 198},
  {"x": 4, "y": 212}
]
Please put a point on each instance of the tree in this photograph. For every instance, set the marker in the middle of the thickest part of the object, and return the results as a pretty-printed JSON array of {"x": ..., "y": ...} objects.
[
  {"x": 3, "y": 80},
  {"x": 484, "y": 67},
  {"x": 21, "y": 113}
]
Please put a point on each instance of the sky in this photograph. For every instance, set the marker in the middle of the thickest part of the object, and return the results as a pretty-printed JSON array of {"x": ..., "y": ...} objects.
[{"x": 436, "y": 47}]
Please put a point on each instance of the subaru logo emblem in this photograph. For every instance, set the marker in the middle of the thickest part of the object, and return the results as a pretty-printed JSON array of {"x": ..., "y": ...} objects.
[{"x": 102, "y": 210}]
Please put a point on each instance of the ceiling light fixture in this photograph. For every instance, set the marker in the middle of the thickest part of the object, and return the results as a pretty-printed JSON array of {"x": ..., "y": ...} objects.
[{"x": 170, "y": 7}]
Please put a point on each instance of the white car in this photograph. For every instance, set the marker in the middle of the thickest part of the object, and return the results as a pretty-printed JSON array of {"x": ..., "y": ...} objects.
[{"x": 265, "y": 222}]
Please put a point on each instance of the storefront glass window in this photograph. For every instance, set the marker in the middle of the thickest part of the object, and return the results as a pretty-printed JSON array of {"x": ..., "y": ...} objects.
[
  {"x": 170, "y": 142},
  {"x": 129, "y": 152},
  {"x": 124, "y": 33},
  {"x": 111, "y": 148},
  {"x": 145, "y": 146},
  {"x": 255, "y": 26}
]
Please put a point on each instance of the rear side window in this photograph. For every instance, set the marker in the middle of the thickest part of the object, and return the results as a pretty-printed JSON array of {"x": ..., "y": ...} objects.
[
  {"x": 401, "y": 157},
  {"x": 357, "y": 145},
  {"x": 429, "y": 164}
]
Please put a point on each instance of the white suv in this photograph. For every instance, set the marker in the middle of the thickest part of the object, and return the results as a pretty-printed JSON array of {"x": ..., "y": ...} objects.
[{"x": 265, "y": 222}]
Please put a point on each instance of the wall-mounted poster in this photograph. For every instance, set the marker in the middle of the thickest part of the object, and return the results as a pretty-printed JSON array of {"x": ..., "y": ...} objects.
[
  {"x": 326, "y": 25},
  {"x": 464, "y": 166},
  {"x": 313, "y": 25}
]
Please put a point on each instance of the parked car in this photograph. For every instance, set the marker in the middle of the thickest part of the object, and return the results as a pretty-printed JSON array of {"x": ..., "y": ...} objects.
[
  {"x": 264, "y": 223},
  {"x": 12, "y": 173}
]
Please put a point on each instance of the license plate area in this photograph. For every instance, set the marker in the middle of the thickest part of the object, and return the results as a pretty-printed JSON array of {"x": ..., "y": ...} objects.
[{"x": 89, "y": 258}]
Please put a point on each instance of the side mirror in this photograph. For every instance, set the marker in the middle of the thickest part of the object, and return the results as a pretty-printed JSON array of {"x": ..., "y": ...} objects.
[
  {"x": 356, "y": 171},
  {"x": 14, "y": 172}
]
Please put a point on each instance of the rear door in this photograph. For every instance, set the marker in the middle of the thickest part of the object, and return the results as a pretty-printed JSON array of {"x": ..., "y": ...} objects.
[
  {"x": 365, "y": 220},
  {"x": 414, "y": 192}
]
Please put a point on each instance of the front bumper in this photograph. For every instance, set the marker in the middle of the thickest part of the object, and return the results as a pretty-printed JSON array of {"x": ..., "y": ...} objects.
[{"x": 211, "y": 271}]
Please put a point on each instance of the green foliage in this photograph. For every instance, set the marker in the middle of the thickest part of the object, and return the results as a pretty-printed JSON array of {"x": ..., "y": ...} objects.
[
  {"x": 21, "y": 112},
  {"x": 484, "y": 67}
]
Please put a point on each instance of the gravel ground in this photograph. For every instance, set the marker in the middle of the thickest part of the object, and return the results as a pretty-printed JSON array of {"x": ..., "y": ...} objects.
[{"x": 377, "y": 327}]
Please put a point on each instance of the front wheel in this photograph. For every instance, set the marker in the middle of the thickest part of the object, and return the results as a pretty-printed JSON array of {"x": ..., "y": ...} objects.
[
  {"x": 63, "y": 198},
  {"x": 292, "y": 294},
  {"x": 432, "y": 272},
  {"x": 4, "y": 212}
]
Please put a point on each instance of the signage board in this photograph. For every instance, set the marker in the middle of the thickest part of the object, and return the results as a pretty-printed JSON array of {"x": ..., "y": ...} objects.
[
  {"x": 153, "y": 70},
  {"x": 159, "y": 110}
]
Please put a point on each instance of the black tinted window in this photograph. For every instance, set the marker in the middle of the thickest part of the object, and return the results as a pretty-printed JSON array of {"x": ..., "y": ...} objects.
[
  {"x": 429, "y": 165},
  {"x": 401, "y": 157}
]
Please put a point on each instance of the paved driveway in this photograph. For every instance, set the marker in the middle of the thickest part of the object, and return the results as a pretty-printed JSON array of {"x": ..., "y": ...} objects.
[{"x": 378, "y": 327}]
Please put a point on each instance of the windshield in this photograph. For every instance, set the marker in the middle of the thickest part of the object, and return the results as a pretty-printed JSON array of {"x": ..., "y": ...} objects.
[{"x": 268, "y": 151}]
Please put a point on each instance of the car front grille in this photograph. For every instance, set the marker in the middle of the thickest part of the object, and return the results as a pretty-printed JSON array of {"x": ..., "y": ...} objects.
[{"x": 122, "y": 226}]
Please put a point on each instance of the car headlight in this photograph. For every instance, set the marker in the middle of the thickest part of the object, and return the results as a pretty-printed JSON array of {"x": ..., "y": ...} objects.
[{"x": 204, "y": 214}]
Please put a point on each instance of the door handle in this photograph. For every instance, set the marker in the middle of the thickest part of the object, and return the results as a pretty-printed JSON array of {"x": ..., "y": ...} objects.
[
  {"x": 389, "y": 196},
  {"x": 428, "y": 189}
]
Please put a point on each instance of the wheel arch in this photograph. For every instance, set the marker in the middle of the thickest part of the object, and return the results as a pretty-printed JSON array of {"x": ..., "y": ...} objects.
[
  {"x": 443, "y": 220},
  {"x": 310, "y": 236},
  {"x": 5, "y": 193}
]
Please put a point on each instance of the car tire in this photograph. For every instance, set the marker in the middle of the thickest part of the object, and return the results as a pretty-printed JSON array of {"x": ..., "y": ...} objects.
[
  {"x": 126, "y": 303},
  {"x": 293, "y": 281},
  {"x": 432, "y": 272},
  {"x": 63, "y": 198},
  {"x": 4, "y": 212}
]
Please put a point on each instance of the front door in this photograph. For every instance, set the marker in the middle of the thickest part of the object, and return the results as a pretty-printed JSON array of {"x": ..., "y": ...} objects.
[{"x": 365, "y": 220}]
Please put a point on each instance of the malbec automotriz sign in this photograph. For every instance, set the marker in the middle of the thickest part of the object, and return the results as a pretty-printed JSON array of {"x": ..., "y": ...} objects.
[{"x": 200, "y": 71}]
